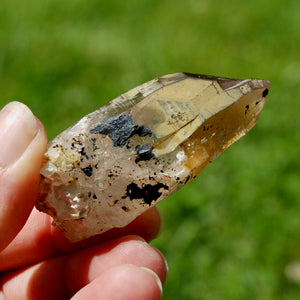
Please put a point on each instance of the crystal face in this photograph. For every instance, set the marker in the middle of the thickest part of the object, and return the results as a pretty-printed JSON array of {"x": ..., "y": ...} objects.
[{"x": 117, "y": 162}]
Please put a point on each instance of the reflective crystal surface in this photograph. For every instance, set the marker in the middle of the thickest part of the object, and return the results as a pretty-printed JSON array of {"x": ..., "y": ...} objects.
[{"x": 127, "y": 156}]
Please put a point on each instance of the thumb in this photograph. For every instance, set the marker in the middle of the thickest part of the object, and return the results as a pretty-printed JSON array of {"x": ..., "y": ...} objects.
[{"x": 22, "y": 144}]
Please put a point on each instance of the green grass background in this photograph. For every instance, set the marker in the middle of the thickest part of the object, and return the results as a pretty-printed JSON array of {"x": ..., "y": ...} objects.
[{"x": 233, "y": 231}]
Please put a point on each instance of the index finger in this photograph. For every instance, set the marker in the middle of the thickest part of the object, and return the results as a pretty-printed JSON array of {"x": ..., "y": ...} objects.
[{"x": 39, "y": 240}]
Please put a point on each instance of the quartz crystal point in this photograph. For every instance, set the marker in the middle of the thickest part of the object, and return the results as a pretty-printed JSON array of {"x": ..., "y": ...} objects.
[{"x": 132, "y": 153}]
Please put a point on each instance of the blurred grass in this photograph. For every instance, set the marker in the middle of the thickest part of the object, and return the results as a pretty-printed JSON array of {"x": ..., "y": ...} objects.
[{"x": 232, "y": 232}]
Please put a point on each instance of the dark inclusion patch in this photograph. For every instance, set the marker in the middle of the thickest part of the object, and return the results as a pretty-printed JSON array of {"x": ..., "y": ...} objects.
[
  {"x": 144, "y": 152},
  {"x": 125, "y": 208},
  {"x": 148, "y": 193},
  {"x": 265, "y": 93},
  {"x": 247, "y": 108},
  {"x": 120, "y": 128},
  {"x": 83, "y": 153},
  {"x": 88, "y": 171}
]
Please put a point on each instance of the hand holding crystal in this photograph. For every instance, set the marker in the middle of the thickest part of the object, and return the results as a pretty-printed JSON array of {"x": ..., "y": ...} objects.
[{"x": 36, "y": 260}]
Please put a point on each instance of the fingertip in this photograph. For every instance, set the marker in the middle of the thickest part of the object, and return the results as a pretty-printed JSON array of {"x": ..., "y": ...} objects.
[
  {"x": 18, "y": 128},
  {"x": 123, "y": 282},
  {"x": 85, "y": 266}
]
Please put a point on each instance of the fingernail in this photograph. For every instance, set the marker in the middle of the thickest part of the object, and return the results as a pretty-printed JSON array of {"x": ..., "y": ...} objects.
[
  {"x": 156, "y": 277},
  {"x": 18, "y": 127},
  {"x": 164, "y": 258}
]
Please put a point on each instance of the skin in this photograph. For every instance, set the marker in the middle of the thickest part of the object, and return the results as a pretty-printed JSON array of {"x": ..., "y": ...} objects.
[{"x": 37, "y": 261}]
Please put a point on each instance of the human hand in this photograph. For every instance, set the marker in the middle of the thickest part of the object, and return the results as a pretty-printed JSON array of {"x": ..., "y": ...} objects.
[{"x": 37, "y": 261}]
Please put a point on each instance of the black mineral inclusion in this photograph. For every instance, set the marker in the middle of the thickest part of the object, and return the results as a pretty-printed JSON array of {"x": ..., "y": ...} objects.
[
  {"x": 120, "y": 128},
  {"x": 88, "y": 171},
  {"x": 265, "y": 93},
  {"x": 148, "y": 193},
  {"x": 144, "y": 152}
]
